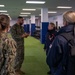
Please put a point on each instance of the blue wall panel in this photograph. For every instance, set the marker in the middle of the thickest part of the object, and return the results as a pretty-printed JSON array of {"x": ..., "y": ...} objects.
[
  {"x": 26, "y": 28},
  {"x": 43, "y": 31},
  {"x": 32, "y": 29}
]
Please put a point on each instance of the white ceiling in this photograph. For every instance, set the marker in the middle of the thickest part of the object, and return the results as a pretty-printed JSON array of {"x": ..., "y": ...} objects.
[{"x": 14, "y": 7}]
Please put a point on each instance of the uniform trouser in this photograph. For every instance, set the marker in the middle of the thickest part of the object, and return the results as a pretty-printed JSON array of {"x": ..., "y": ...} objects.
[
  {"x": 19, "y": 57},
  {"x": 61, "y": 70}
]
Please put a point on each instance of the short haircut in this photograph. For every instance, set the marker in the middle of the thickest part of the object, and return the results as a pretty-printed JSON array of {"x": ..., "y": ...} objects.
[
  {"x": 20, "y": 17},
  {"x": 4, "y": 21},
  {"x": 52, "y": 24}
]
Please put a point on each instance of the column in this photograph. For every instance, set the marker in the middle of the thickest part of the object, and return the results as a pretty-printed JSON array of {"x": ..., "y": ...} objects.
[
  {"x": 44, "y": 24},
  {"x": 27, "y": 25},
  {"x": 32, "y": 25}
]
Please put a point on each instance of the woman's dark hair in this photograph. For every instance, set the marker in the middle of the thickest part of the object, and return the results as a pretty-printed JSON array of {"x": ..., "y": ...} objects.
[
  {"x": 4, "y": 22},
  {"x": 52, "y": 24},
  {"x": 19, "y": 17}
]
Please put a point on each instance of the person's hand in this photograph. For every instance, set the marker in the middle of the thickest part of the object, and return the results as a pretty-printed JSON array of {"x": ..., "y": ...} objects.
[{"x": 25, "y": 35}]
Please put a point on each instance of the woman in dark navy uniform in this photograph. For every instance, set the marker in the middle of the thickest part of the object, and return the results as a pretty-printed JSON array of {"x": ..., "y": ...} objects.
[{"x": 49, "y": 38}]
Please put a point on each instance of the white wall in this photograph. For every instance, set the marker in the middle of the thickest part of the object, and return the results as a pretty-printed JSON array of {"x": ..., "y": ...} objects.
[
  {"x": 58, "y": 19},
  {"x": 44, "y": 15},
  {"x": 12, "y": 22}
]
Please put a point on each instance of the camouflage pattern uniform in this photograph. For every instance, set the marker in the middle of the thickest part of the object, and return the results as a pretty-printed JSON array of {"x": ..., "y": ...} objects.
[
  {"x": 7, "y": 54},
  {"x": 16, "y": 32}
]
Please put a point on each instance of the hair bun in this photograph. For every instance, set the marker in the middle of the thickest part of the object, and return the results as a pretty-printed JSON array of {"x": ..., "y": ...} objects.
[{"x": 4, "y": 22}]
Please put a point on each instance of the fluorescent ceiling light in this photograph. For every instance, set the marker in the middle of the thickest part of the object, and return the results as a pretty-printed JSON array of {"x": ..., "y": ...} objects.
[
  {"x": 65, "y": 7},
  {"x": 3, "y": 11},
  {"x": 35, "y": 2},
  {"x": 1, "y": 5},
  {"x": 52, "y": 12},
  {"x": 49, "y": 12},
  {"x": 25, "y": 13},
  {"x": 29, "y": 9}
]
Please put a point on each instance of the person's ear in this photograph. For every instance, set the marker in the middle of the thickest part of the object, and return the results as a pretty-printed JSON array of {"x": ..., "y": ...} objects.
[{"x": 65, "y": 23}]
